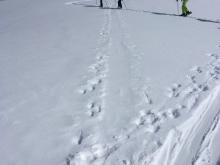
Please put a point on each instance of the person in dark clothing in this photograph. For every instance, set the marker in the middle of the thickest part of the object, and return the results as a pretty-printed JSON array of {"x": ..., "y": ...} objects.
[
  {"x": 119, "y": 4},
  {"x": 101, "y": 3}
]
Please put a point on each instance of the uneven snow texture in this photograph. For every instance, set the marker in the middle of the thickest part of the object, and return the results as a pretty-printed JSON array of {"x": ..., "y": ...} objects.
[{"x": 80, "y": 85}]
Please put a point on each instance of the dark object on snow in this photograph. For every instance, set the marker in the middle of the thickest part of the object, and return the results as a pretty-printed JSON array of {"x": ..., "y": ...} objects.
[
  {"x": 186, "y": 14},
  {"x": 119, "y": 4},
  {"x": 185, "y": 10},
  {"x": 101, "y": 3}
]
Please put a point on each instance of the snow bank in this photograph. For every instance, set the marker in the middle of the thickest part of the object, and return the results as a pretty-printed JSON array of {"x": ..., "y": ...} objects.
[{"x": 183, "y": 143}]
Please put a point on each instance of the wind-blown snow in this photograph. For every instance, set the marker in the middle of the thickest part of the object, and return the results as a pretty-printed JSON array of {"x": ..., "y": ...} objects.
[{"x": 80, "y": 85}]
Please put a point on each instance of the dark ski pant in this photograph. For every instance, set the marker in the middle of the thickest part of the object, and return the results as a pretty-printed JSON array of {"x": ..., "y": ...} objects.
[
  {"x": 101, "y": 3},
  {"x": 119, "y": 4}
]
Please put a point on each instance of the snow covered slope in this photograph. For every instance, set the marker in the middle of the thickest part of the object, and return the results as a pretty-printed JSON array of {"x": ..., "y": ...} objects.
[{"x": 80, "y": 85}]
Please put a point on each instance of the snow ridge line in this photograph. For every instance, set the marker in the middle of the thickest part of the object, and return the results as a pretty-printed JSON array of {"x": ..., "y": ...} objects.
[
  {"x": 206, "y": 141},
  {"x": 87, "y": 150},
  {"x": 190, "y": 134}
]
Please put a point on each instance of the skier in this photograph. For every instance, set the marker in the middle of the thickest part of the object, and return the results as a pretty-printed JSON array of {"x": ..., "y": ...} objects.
[
  {"x": 101, "y": 4},
  {"x": 185, "y": 10},
  {"x": 119, "y": 4}
]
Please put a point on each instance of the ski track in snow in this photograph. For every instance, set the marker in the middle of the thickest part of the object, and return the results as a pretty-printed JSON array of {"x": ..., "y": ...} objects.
[
  {"x": 94, "y": 92},
  {"x": 99, "y": 69},
  {"x": 150, "y": 118},
  {"x": 95, "y": 86}
]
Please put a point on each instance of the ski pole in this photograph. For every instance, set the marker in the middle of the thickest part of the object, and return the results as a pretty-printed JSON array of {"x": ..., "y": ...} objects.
[
  {"x": 107, "y": 3},
  {"x": 124, "y": 4},
  {"x": 177, "y": 6}
]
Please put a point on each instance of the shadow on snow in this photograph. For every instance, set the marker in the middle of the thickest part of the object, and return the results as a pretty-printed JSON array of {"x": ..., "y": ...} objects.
[
  {"x": 176, "y": 15},
  {"x": 151, "y": 12}
]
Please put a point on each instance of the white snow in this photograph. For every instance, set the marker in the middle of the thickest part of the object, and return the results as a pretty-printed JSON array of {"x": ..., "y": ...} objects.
[{"x": 80, "y": 85}]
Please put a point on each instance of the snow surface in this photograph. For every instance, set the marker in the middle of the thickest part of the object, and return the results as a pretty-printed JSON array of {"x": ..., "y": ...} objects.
[{"x": 80, "y": 85}]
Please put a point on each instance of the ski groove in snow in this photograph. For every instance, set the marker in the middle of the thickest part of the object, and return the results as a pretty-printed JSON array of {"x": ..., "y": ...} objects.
[
  {"x": 94, "y": 91},
  {"x": 95, "y": 86},
  {"x": 205, "y": 142}
]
